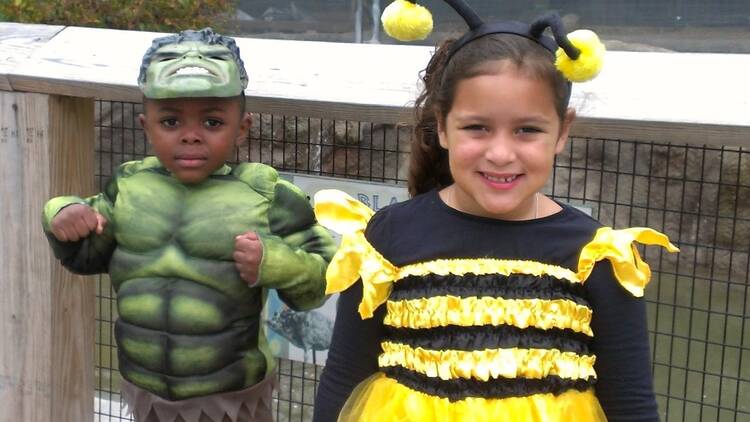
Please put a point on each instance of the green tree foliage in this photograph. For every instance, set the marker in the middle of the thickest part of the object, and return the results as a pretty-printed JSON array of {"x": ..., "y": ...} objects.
[{"x": 145, "y": 15}]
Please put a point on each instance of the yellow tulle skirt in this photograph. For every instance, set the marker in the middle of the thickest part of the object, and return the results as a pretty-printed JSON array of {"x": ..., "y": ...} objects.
[{"x": 380, "y": 398}]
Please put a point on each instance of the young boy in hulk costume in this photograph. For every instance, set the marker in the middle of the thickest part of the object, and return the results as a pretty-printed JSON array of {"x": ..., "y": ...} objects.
[{"x": 191, "y": 244}]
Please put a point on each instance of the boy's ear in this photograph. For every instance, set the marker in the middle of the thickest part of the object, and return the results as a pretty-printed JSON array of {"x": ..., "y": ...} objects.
[
  {"x": 562, "y": 139},
  {"x": 143, "y": 122},
  {"x": 246, "y": 122}
]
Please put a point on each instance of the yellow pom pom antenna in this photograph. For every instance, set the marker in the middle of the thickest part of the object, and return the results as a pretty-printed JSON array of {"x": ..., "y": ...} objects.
[
  {"x": 406, "y": 21},
  {"x": 589, "y": 62}
]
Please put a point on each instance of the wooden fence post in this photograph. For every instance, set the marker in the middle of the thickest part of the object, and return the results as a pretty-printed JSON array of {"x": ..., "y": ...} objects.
[{"x": 46, "y": 314}]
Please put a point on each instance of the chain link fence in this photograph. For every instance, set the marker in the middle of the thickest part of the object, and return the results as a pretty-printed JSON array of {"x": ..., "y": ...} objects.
[{"x": 698, "y": 195}]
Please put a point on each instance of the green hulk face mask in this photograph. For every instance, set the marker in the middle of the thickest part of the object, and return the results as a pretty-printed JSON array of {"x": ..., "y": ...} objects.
[{"x": 192, "y": 64}]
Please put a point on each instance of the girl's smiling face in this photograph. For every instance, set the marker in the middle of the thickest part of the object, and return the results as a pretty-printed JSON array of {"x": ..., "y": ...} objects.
[{"x": 502, "y": 134}]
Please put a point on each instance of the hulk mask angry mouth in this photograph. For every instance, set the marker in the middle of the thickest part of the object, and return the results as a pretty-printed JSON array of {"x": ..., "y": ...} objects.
[
  {"x": 192, "y": 64},
  {"x": 192, "y": 69}
]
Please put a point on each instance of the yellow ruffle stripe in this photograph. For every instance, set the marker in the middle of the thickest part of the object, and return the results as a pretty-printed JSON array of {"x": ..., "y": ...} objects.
[
  {"x": 488, "y": 363},
  {"x": 380, "y": 398},
  {"x": 356, "y": 258},
  {"x": 481, "y": 266},
  {"x": 442, "y": 311}
]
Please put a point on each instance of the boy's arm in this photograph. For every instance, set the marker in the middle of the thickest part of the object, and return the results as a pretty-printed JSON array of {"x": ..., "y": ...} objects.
[
  {"x": 296, "y": 255},
  {"x": 89, "y": 255}
]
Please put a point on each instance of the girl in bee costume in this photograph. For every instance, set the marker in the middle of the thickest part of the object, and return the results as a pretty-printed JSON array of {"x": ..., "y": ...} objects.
[{"x": 480, "y": 298}]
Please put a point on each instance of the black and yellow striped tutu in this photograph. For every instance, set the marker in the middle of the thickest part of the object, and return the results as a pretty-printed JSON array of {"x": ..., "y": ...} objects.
[{"x": 478, "y": 339}]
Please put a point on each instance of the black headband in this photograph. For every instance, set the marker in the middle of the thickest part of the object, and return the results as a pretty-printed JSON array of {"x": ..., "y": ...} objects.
[{"x": 534, "y": 32}]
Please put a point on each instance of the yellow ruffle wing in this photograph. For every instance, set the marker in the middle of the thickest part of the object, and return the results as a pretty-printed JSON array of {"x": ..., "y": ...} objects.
[
  {"x": 618, "y": 247},
  {"x": 356, "y": 257}
]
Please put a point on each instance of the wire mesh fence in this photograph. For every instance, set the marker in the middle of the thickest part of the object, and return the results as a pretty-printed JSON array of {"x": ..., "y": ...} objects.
[{"x": 698, "y": 195}]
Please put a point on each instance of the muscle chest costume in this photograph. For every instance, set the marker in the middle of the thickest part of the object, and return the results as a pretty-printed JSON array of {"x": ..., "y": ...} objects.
[
  {"x": 188, "y": 324},
  {"x": 485, "y": 320},
  {"x": 191, "y": 344}
]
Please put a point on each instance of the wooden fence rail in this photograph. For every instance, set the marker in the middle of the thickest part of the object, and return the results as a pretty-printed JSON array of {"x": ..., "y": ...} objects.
[{"x": 50, "y": 77}]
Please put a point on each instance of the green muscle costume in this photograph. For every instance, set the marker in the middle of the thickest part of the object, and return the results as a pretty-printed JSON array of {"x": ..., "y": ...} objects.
[{"x": 189, "y": 325}]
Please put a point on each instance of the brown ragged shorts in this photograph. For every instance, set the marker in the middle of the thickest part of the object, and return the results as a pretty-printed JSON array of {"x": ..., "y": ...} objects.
[{"x": 253, "y": 404}]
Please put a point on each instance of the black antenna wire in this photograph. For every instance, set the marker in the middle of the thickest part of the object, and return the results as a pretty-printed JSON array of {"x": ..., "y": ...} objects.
[{"x": 553, "y": 21}]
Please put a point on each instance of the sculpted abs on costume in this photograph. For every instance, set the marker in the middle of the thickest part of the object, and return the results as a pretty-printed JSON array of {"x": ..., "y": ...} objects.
[{"x": 189, "y": 325}]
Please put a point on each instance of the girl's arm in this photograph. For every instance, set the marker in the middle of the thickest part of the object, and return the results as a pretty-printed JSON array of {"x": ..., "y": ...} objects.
[
  {"x": 623, "y": 358},
  {"x": 352, "y": 357}
]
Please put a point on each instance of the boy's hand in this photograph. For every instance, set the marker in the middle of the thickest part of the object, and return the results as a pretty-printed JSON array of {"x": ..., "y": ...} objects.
[
  {"x": 248, "y": 252},
  {"x": 75, "y": 222}
]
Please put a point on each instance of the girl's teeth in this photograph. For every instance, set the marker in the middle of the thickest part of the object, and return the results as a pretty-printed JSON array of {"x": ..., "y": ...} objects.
[{"x": 500, "y": 179}]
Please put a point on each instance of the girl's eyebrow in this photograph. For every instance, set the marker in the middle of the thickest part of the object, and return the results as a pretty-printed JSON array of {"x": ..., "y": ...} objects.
[
  {"x": 539, "y": 119},
  {"x": 534, "y": 119},
  {"x": 471, "y": 116}
]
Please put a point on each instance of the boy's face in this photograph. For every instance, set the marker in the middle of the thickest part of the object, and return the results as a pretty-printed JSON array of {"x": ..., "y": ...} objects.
[{"x": 193, "y": 137}]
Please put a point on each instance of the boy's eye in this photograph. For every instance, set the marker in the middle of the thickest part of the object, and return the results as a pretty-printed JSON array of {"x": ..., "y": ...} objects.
[
  {"x": 169, "y": 122},
  {"x": 213, "y": 123}
]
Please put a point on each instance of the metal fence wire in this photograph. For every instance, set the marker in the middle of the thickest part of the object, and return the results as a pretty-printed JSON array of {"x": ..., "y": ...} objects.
[{"x": 698, "y": 195}]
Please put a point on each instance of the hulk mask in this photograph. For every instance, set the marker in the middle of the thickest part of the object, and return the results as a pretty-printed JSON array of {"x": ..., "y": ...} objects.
[{"x": 192, "y": 64}]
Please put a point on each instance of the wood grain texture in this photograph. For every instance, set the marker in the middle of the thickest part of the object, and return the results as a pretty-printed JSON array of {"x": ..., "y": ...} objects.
[
  {"x": 46, "y": 314},
  {"x": 17, "y": 42},
  {"x": 665, "y": 97}
]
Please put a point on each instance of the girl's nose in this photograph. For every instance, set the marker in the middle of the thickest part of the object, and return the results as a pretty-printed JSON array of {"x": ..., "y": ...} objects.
[{"x": 500, "y": 149}]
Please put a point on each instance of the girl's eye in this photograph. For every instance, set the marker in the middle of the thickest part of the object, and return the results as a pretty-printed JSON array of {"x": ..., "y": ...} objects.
[
  {"x": 213, "y": 123},
  {"x": 530, "y": 129},
  {"x": 169, "y": 122},
  {"x": 475, "y": 128}
]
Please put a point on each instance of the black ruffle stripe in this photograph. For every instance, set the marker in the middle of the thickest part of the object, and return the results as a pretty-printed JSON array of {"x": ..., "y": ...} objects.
[
  {"x": 490, "y": 337},
  {"x": 515, "y": 286},
  {"x": 494, "y": 388}
]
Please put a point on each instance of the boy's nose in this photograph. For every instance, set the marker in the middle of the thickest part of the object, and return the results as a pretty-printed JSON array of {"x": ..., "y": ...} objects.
[{"x": 190, "y": 137}]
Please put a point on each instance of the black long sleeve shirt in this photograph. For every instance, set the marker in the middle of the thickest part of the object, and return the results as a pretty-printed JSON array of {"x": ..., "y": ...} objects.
[{"x": 424, "y": 228}]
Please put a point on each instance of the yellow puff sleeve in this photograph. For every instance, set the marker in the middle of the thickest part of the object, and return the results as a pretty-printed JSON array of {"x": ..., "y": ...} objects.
[
  {"x": 355, "y": 257},
  {"x": 618, "y": 247}
]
